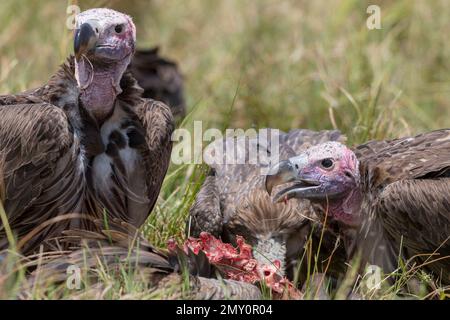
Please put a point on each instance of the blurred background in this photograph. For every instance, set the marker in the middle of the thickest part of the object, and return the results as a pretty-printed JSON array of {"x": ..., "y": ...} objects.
[{"x": 266, "y": 63}]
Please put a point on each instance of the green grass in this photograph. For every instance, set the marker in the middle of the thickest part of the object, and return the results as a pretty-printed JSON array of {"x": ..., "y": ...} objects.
[{"x": 284, "y": 64}]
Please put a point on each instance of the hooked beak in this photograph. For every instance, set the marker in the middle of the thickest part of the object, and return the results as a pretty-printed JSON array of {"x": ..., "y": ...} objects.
[
  {"x": 282, "y": 172},
  {"x": 292, "y": 171},
  {"x": 86, "y": 38}
]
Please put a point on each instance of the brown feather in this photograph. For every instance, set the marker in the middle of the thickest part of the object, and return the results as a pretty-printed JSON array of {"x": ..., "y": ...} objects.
[
  {"x": 47, "y": 143},
  {"x": 406, "y": 183}
]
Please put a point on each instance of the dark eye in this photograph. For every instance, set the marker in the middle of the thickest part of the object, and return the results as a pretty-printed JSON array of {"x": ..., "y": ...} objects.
[
  {"x": 327, "y": 163},
  {"x": 118, "y": 28}
]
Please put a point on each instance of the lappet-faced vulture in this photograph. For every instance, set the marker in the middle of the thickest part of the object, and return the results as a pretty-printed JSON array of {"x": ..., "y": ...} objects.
[
  {"x": 233, "y": 200},
  {"x": 86, "y": 142},
  {"x": 391, "y": 195},
  {"x": 160, "y": 79}
]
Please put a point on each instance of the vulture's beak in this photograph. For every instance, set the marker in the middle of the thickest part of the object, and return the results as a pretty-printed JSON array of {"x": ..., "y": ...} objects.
[
  {"x": 85, "y": 39},
  {"x": 282, "y": 172},
  {"x": 292, "y": 171}
]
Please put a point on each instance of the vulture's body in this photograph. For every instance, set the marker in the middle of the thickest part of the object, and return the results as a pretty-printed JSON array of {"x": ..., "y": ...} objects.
[
  {"x": 406, "y": 201},
  {"x": 82, "y": 160},
  {"x": 160, "y": 79},
  {"x": 86, "y": 142},
  {"x": 233, "y": 201},
  {"x": 390, "y": 199},
  {"x": 56, "y": 159}
]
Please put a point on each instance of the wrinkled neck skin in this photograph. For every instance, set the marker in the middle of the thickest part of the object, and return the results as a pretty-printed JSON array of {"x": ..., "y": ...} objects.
[
  {"x": 346, "y": 210},
  {"x": 99, "y": 85},
  {"x": 344, "y": 218}
]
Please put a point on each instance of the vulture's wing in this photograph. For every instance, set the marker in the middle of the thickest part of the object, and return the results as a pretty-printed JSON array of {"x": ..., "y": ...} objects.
[
  {"x": 28, "y": 97},
  {"x": 424, "y": 156},
  {"x": 160, "y": 79},
  {"x": 416, "y": 214},
  {"x": 38, "y": 164},
  {"x": 410, "y": 180},
  {"x": 157, "y": 121},
  {"x": 138, "y": 164}
]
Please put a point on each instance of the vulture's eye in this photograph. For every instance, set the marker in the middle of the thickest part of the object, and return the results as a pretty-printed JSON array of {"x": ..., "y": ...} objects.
[
  {"x": 327, "y": 163},
  {"x": 119, "y": 28}
]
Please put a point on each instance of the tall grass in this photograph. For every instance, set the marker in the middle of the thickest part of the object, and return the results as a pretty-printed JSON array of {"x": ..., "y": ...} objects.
[{"x": 284, "y": 64}]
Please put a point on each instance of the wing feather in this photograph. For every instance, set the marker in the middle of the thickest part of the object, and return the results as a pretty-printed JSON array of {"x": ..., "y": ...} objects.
[
  {"x": 425, "y": 155},
  {"x": 416, "y": 213},
  {"x": 158, "y": 124},
  {"x": 406, "y": 183},
  {"x": 38, "y": 153}
]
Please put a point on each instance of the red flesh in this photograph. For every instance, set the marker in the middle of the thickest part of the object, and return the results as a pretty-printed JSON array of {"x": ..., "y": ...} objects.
[{"x": 239, "y": 264}]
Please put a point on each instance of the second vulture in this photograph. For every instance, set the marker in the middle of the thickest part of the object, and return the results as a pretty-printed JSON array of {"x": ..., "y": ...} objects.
[{"x": 389, "y": 198}]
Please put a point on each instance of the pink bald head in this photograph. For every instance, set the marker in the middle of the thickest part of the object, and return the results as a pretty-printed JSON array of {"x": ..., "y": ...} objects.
[
  {"x": 327, "y": 174},
  {"x": 104, "y": 43}
]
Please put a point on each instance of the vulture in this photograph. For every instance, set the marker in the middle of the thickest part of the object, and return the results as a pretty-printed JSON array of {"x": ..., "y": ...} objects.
[
  {"x": 119, "y": 250},
  {"x": 86, "y": 142},
  {"x": 160, "y": 79},
  {"x": 82, "y": 160},
  {"x": 389, "y": 198},
  {"x": 233, "y": 202}
]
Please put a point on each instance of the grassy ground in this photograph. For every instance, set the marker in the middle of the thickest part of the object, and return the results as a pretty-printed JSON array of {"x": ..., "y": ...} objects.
[{"x": 284, "y": 64}]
